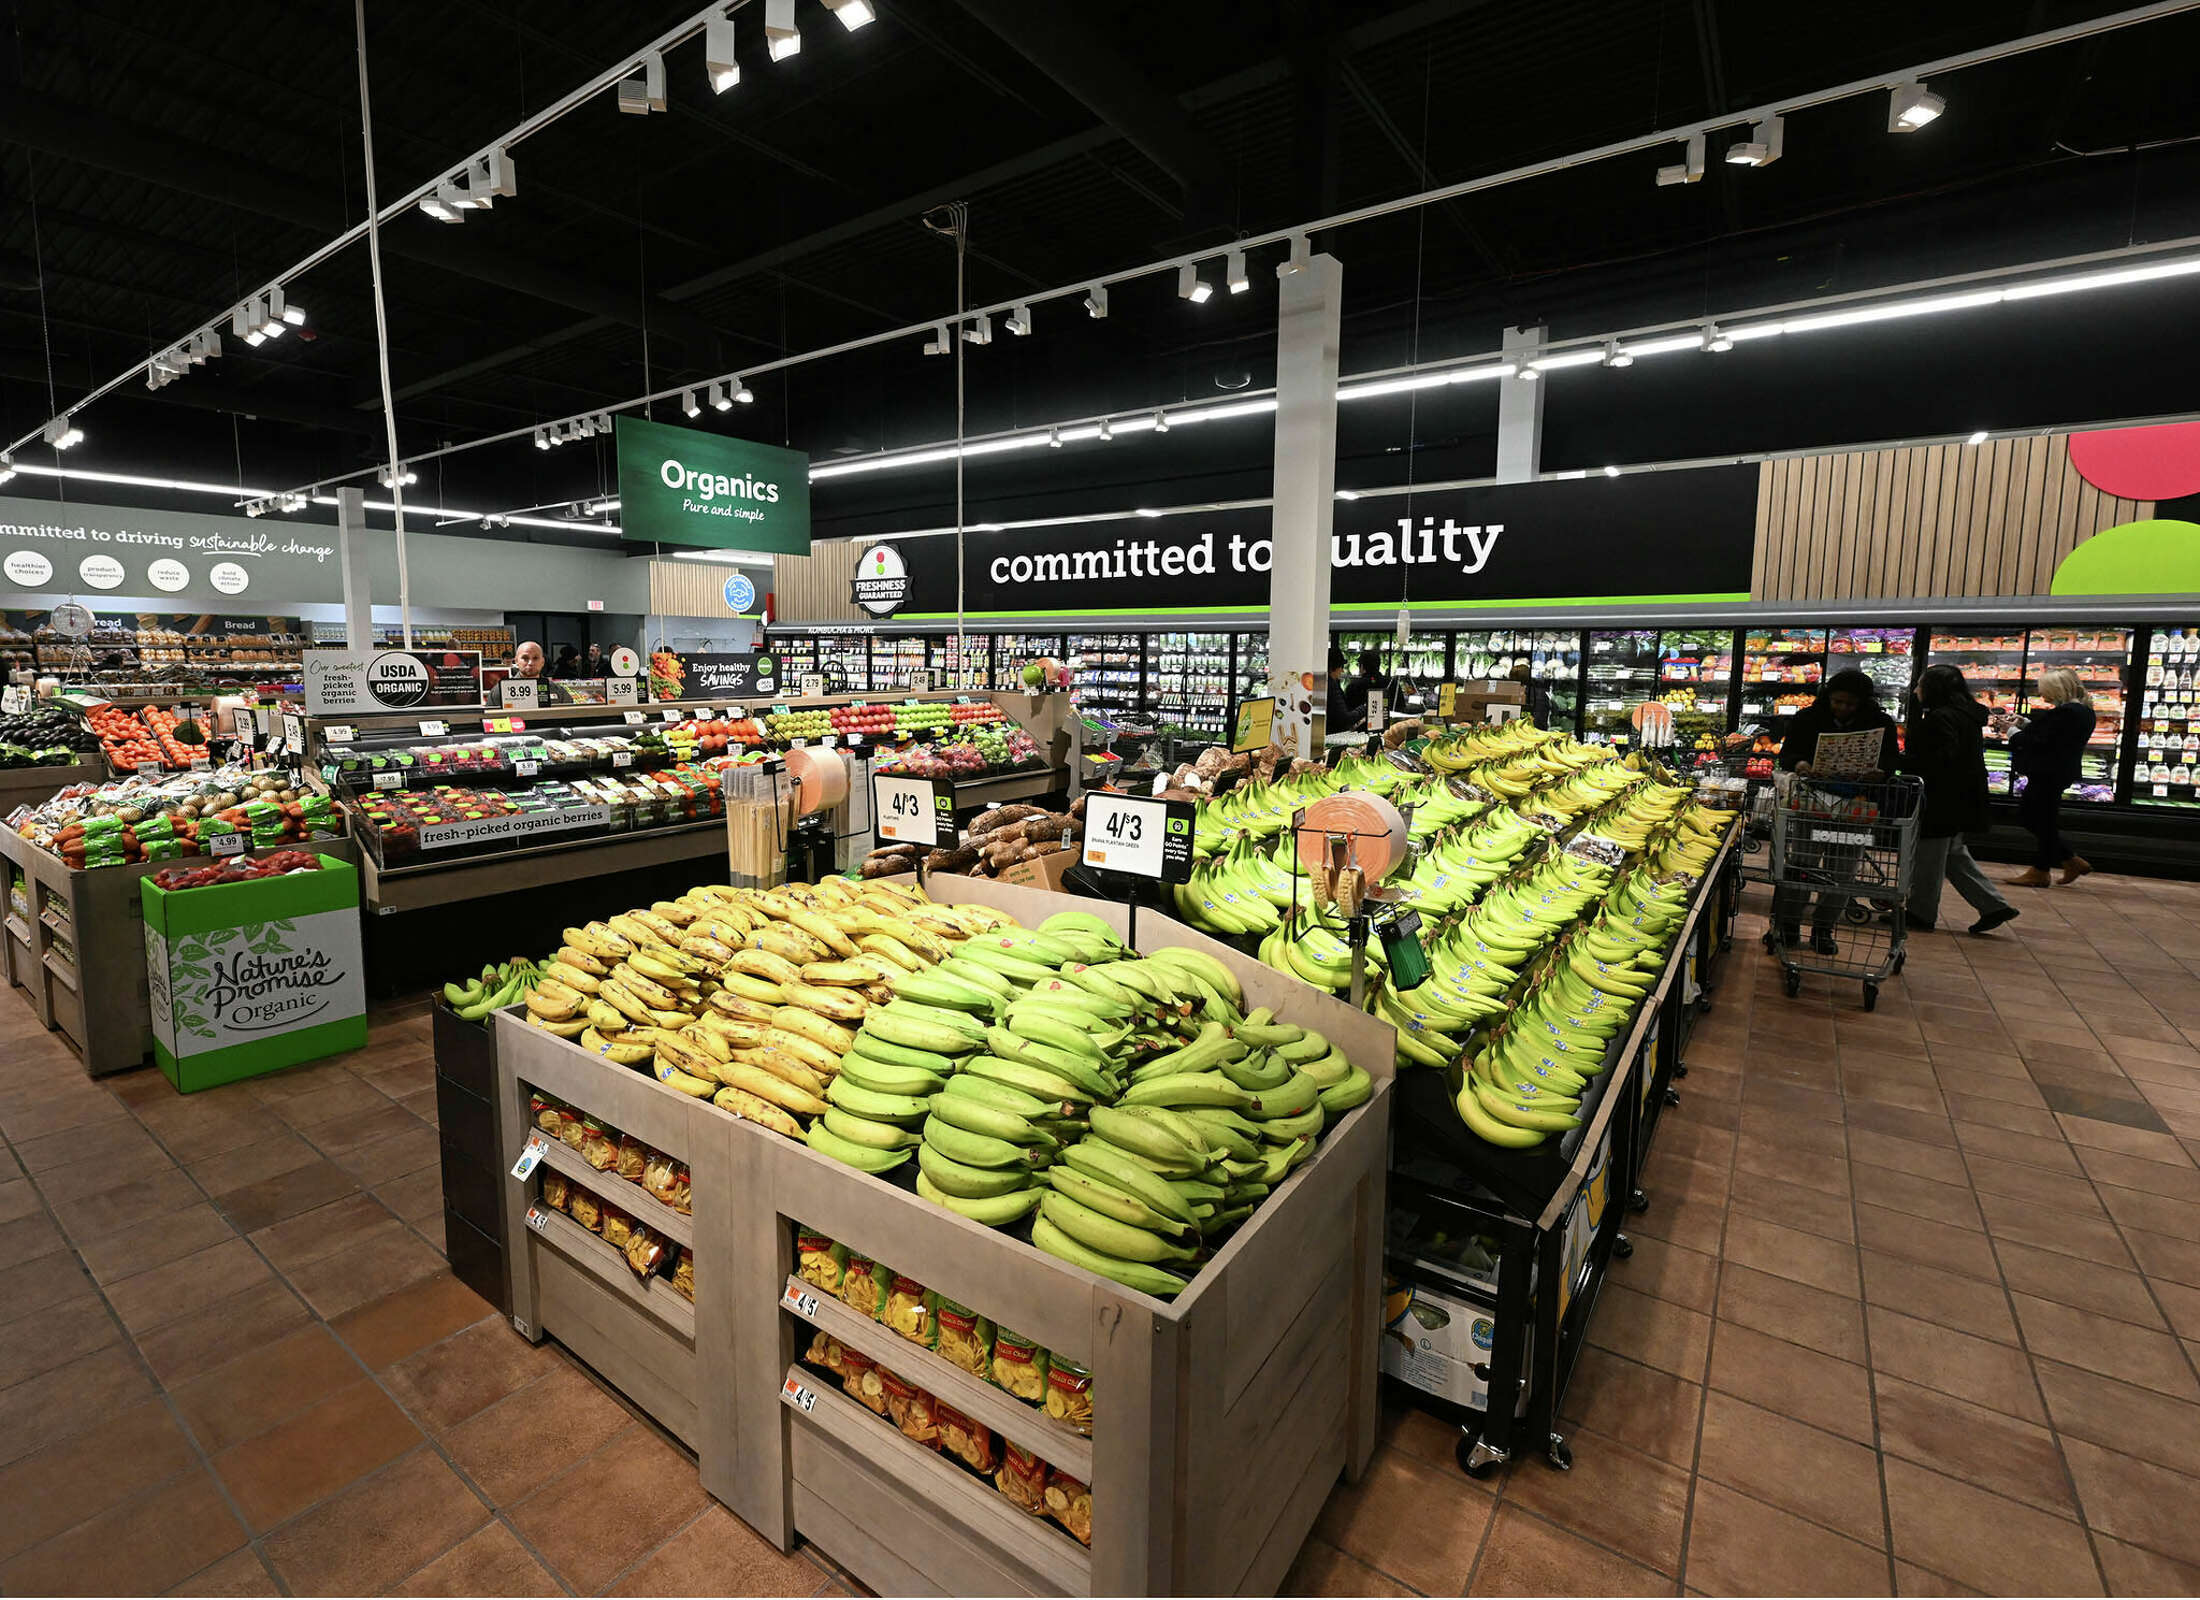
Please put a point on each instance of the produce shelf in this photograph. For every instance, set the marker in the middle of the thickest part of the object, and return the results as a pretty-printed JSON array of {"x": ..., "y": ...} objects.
[
  {"x": 914, "y": 1487},
  {"x": 61, "y": 969},
  {"x": 625, "y": 1193},
  {"x": 1028, "y": 1425},
  {"x": 18, "y": 927},
  {"x": 607, "y": 1264}
]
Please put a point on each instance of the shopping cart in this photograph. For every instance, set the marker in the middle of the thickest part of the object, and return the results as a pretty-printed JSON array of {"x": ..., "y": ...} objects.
[{"x": 1841, "y": 859}]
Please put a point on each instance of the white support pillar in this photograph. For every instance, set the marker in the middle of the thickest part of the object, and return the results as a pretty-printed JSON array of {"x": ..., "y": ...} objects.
[
  {"x": 351, "y": 554},
  {"x": 1520, "y": 411},
  {"x": 1307, "y": 303}
]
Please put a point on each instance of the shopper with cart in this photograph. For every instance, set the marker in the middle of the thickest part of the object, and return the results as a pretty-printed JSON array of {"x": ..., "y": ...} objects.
[
  {"x": 1847, "y": 704},
  {"x": 2044, "y": 751},
  {"x": 1944, "y": 747}
]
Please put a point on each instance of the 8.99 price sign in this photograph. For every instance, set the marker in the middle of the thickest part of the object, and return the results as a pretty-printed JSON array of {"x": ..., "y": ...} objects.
[
  {"x": 912, "y": 811},
  {"x": 1144, "y": 838}
]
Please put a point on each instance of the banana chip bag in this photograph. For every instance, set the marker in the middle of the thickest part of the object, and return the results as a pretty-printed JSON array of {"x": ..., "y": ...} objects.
[
  {"x": 820, "y": 1261},
  {"x": 1069, "y": 1394},
  {"x": 618, "y": 1227},
  {"x": 585, "y": 1209},
  {"x": 911, "y": 1409},
  {"x": 969, "y": 1442},
  {"x": 557, "y": 1190},
  {"x": 683, "y": 1273},
  {"x": 909, "y": 1311},
  {"x": 863, "y": 1286},
  {"x": 827, "y": 1352},
  {"x": 1070, "y": 1503},
  {"x": 633, "y": 1159},
  {"x": 599, "y": 1145},
  {"x": 965, "y": 1338},
  {"x": 1023, "y": 1480},
  {"x": 1019, "y": 1366},
  {"x": 859, "y": 1375}
]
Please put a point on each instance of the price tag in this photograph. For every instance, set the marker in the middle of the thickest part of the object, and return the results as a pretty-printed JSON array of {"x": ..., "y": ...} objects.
[
  {"x": 671, "y": 716},
  {"x": 503, "y": 725},
  {"x": 226, "y": 844},
  {"x": 912, "y": 810},
  {"x": 294, "y": 731},
  {"x": 149, "y": 769},
  {"x": 526, "y": 769},
  {"x": 736, "y": 713},
  {"x": 201, "y": 764},
  {"x": 827, "y": 742},
  {"x": 705, "y": 714},
  {"x": 1447, "y": 700},
  {"x": 812, "y": 684},
  {"x": 389, "y": 780},
  {"x": 1375, "y": 698},
  {"x": 622, "y": 758},
  {"x": 634, "y": 719},
  {"x": 855, "y": 741},
  {"x": 538, "y": 1216},
  {"x": 798, "y": 1394},
  {"x": 15, "y": 699},
  {"x": 1141, "y": 837},
  {"x": 801, "y": 744},
  {"x": 799, "y": 1300},
  {"x": 434, "y": 730},
  {"x": 523, "y": 694},
  {"x": 531, "y": 1154},
  {"x": 621, "y": 691},
  {"x": 334, "y": 733}
]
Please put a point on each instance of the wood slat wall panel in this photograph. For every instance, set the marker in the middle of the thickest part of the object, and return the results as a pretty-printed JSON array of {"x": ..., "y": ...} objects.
[
  {"x": 814, "y": 588},
  {"x": 689, "y": 589},
  {"x": 1925, "y": 521}
]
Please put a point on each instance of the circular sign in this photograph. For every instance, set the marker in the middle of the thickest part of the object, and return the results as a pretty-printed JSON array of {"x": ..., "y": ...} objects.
[
  {"x": 100, "y": 572},
  {"x": 740, "y": 593},
  {"x": 397, "y": 680},
  {"x": 230, "y": 578},
  {"x": 2158, "y": 462},
  {"x": 881, "y": 582},
  {"x": 27, "y": 567},
  {"x": 168, "y": 576},
  {"x": 70, "y": 620},
  {"x": 624, "y": 662}
]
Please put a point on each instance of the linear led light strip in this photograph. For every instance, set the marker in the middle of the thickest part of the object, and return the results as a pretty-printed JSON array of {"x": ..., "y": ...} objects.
[{"x": 1094, "y": 291}]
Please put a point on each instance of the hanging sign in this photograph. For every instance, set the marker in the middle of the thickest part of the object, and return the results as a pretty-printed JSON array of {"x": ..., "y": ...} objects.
[
  {"x": 687, "y": 487},
  {"x": 342, "y": 681},
  {"x": 880, "y": 583},
  {"x": 1144, "y": 838},
  {"x": 913, "y": 811}
]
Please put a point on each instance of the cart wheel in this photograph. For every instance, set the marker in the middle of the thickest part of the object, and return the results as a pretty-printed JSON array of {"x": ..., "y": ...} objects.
[
  {"x": 1560, "y": 1455},
  {"x": 1900, "y": 956},
  {"x": 1623, "y": 1247},
  {"x": 1871, "y": 997},
  {"x": 1637, "y": 1201},
  {"x": 1476, "y": 1459},
  {"x": 1672, "y": 1097},
  {"x": 1794, "y": 983}
]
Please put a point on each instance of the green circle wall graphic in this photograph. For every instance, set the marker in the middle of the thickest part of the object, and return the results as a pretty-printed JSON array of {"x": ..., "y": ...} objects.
[{"x": 2159, "y": 556}]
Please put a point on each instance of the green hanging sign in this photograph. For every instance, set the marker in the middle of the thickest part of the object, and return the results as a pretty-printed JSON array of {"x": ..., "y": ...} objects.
[{"x": 686, "y": 487}]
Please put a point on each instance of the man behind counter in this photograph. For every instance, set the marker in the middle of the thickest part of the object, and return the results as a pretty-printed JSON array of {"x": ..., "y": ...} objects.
[{"x": 527, "y": 663}]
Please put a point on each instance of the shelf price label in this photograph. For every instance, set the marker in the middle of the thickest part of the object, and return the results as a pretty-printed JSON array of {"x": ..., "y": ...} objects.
[
  {"x": 389, "y": 780},
  {"x": 526, "y": 769},
  {"x": 524, "y": 694},
  {"x": 912, "y": 810},
  {"x": 503, "y": 725},
  {"x": 812, "y": 685},
  {"x": 149, "y": 770},
  {"x": 226, "y": 844},
  {"x": 634, "y": 719},
  {"x": 798, "y": 1394},
  {"x": 622, "y": 758},
  {"x": 538, "y": 1216},
  {"x": 671, "y": 716},
  {"x": 334, "y": 733},
  {"x": 1141, "y": 837},
  {"x": 799, "y": 1300},
  {"x": 294, "y": 731},
  {"x": 705, "y": 714},
  {"x": 434, "y": 730},
  {"x": 530, "y": 1155},
  {"x": 621, "y": 691}
]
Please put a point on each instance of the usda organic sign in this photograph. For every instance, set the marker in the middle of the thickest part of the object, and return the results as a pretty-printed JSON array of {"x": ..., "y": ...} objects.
[{"x": 683, "y": 486}]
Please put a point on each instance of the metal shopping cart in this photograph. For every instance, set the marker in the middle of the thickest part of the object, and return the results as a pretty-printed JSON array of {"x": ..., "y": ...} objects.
[{"x": 1841, "y": 859}]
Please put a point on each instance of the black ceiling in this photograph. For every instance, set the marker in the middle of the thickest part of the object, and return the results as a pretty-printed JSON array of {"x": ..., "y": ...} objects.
[{"x": 158, "y": 161}]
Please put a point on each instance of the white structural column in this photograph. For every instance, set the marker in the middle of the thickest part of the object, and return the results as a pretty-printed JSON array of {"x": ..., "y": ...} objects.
[
  {"x": 1307, "y": 302},
  {"x": 1520, "y": 411},
  {"x": 351, "y": 553}
]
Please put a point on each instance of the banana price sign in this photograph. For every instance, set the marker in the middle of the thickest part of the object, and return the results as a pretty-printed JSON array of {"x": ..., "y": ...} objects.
[
  {"x": 913, "y": 811},
  {"x": 1140, "y": 837}
]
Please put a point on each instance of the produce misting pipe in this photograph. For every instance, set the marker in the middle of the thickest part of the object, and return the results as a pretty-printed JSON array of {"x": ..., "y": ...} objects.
[{"x": 382, "y": 338}]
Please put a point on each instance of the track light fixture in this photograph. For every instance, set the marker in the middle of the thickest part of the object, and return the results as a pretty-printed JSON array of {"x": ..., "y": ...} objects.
[
  {"x": 1019, "y": 320},
  {"x": 1911, "y": 105},
  {"x": 1300, "y": 258},
  {"x": 1763, "y": 146},
  {"x": 852, "y": 14},
  {"x": 1614, "y": 356},
  {"x": 718, "y": 57},
  {"x": 1716, "y": 340},
  {"x": 603, "y": 422},
  {"x": 405, "y": 477},
  {"x": 1233, "y": 272},
  {"x": 542, "y": 438},
  {"x": 743, "y": 395},
  {"x": 718, "y": 399},
  {"x": 1689, "y": 169},
  {"x": 1054, "y": 438},
  {"x": 639, "y": 96},
  {"x": 445, "y": 204},
  {"x": 1528, "y": 373},
  {"x": 7, "y": 468},
  {"x": 1096, "y": 301},
  {"x": 1191, "y": 286},
  {"x": 63, "y": 433},
  {"x": 940, "y": 342},
  {"x": 688, "y": 403},
  {"x": 980, "y": 329},
  {"x": 1107, "y": 428},
  {"x": 1161, "y": 422},
  {"x": 781, "y": 37},
  {"x": 1977, "y": 438},
  {"x": 1347, "y": 494}
]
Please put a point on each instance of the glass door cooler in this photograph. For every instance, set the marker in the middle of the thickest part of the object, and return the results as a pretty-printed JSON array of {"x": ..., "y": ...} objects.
[
  {"x": 895, "y": 659},
  {"x": 964, "y": 666},
  {"x": 2100, "y": 657},
  {"x": 1554, "y": 659},
  {"x": 797, "y": 657},
  {"x": 1992, "y": 663},
  {"x": 1695, "y": 678},
  {"x": 1249, "y": 652},
  {"x": 2166, "y": 769},
  {"x": 1108, "y": 671},
  {"x": 1012, "y": 652},
  {"x": 1622, "y": 674},
  {"x": 1188, "y": 684},
  {"x": 1887, "y": 656},
  {"x": 1417, "y": 666},
  {"x": 845, "y": 661}
]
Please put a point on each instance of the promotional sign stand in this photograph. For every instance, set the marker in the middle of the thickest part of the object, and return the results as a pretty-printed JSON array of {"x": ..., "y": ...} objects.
[{"x": 1140, "y": 844}]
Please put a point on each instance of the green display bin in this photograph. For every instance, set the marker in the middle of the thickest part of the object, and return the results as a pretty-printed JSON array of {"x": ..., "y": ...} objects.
[{"x": 248, "y": 978}]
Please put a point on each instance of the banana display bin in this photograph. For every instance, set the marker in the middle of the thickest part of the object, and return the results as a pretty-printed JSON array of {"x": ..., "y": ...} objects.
[{"x": 1222, "y": 1419}]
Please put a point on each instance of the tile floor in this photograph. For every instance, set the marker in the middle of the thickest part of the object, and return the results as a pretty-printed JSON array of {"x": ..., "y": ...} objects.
[{"x": 1916, "y": 1308}]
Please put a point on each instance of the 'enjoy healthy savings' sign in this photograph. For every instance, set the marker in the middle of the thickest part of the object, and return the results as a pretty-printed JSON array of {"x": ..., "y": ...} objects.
[
  {"x": 249, "y": 977},
  {"x": 683, "y": 486}
]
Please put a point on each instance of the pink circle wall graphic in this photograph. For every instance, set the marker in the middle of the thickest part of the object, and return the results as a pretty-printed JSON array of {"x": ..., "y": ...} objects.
[{"x": 2161, "y": 462}]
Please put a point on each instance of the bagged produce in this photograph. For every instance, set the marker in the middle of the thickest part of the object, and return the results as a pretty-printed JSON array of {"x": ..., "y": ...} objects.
[
  {"x": 909, "y": 1311},
  {"x": 633, "y": 1159},
  {"x": 819, "y": 1260},
  {"x": 599, "y": 1145},
  {"x": 1019, "y": 1366},
  {"x": 1070, "y": 1503},
  {"x": 1022, "y": 1479},
  {"x": 1069, "y": 1394},
  {"x": 969, "y": 1442},
  {"x": 964, "y": 1337},
  {"x": 863, "y": 1286}
]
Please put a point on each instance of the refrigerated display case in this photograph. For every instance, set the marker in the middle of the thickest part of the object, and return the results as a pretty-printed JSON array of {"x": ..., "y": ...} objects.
[
  {"x": 1782, "y": 668},
  {"x": 1622, "y": 674},
  {"x": 895, "y": 659},
  {"x": 2165, "y": 771},
  {"x": 1554, "y": 659},
  {"x": 1108, "y": 673},
  {"x": 797, "y": 653},
  {"x": 1249, "y": 655},
  {"x": 968, "y": 665},
  {"x": 1695, "y": 678},
  {"x": 845, "y": 661},
  {"x": 1415, "y": 667},
  {"x": 1012, "y": 651},
  {"x": 1188, "y": 683},
  {"x": 2003, "y": 666},
  {"x": 1887, "y": 656}
]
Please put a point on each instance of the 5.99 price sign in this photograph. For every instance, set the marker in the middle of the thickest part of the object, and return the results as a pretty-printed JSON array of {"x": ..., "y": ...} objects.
[
  {"x": 912, "y": 811},
  {"x": 1144, "y": 838}
]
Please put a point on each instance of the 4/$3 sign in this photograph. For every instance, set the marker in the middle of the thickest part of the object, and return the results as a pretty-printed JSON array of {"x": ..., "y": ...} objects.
[
  {"x": 917, "y": 811},
  {"x": 1140, "y": 837}
]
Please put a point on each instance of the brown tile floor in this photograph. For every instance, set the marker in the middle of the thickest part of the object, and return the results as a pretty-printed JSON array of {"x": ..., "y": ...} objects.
[{"x": 1916, "y": 1307}]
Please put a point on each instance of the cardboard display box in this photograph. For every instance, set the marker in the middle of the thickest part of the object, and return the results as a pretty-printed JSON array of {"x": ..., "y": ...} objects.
[{"x": 246, "y": 978}]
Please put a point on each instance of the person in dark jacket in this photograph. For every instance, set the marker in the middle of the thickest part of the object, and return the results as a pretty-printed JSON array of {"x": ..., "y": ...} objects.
[
  {"x": 1347, "y": 697},
  {"x": 1945, "y": 749},
  {"x": 2044, "y": 752},
  {"x": 1847, "y": 703}
]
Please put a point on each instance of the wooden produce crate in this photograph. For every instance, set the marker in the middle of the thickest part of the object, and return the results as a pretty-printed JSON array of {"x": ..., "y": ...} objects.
[
  {"x": 1222, "y": 1419},
  {"x": 28, "y": 786},
  {"x": 671, "y": 1358}
]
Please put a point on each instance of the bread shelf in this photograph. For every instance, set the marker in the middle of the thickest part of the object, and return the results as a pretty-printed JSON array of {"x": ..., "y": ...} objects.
[
  {"x": 624, "y": 1193},
  {"x": 974, "y": 1397}
]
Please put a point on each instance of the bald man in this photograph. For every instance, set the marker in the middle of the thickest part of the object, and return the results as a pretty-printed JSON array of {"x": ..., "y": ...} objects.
[{"x": 527, "y": 660}]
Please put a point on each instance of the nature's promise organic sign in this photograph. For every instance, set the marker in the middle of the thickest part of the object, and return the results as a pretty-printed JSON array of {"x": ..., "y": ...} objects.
[{"x": 683, "y": 486}]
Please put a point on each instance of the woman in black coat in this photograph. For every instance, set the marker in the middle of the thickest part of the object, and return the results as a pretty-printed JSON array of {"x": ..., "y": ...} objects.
[
  {"x": 2044, "y": 751},
  {"x": 1945, "y": 749},
  {"x": 1848, "y": 703}
]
